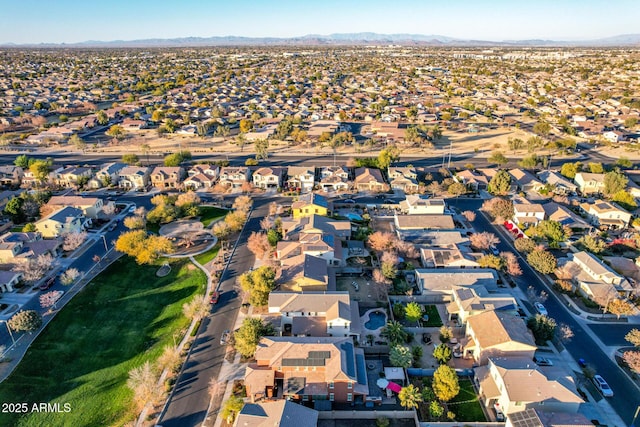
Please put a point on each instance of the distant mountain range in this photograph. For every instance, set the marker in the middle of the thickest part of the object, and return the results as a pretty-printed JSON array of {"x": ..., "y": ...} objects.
[{"x": 343, "y": 39}]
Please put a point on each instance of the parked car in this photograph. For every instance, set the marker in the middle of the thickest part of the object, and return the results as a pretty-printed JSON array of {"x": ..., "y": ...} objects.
[
  {"x": 350, "y": 201},
  {"x": 225, "y": 337},
  {"x": 494, "y": 250},
  {"x": 542, "y": 361},
  {"x": 132, "y": 209},
  {"x": 602, "y": 385},
  {"x": 46, "y": 285},
  {"x": 215, "y": 296},
  {"x": 541, "y": 309},
  {"x": 112, "y": 226}
]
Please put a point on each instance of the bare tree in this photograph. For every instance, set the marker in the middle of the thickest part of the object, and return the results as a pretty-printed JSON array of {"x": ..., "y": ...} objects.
[
  {"x": 69, "y": 276},
  {"x": 35, "y": 269},
  {"x": 197, "y": 308},
  {"x": 511, "y": 262},
  {"x": 568, "y": 271},
  {"x": 143, "y": 381},
  {"x": 565, "y": 333},
  {"x": 381, "y": 241},
  {"x": 109, "y": 209},
  {"x": 273, "y": 208},
  {"x": 72, "y": 241},
  {"x": 221, "y": 230},
  {"x": 266, "y": 224},
  {"x": 469, "y": 215},
  {"x": 535, "y": 297},
  {"x": 381, "y": 285},
  {"x": 632, "y": 359},
  {"x": 170, "y": 358},
  {"x": 258, "y": 244},
  {"x": 49, "y": 299},
  {"x": 407, "y": 249},
  {"x": 483, "y": 240}
]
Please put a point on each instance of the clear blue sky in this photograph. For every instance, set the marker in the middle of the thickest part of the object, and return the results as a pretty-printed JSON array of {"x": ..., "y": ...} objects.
[{"x": 56, "y": 21}]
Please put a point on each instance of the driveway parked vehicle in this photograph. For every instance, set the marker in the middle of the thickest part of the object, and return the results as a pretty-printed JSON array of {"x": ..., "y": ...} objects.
[
  {"x": 542, "y": 361},
  {"x": 602, "y": 385}
]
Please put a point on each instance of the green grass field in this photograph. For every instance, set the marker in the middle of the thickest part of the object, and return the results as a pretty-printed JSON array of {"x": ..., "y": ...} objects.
[
  {"x": 208, "y": 214},
  {"x": 123, "y": 318},
  {"x": 470, "y": 410},
  {"x": 207, "y": 256},
  {"x": 434, "y": 317}
]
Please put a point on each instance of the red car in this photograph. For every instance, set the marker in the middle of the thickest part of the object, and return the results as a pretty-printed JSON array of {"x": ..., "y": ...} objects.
[{"x": 214, "y": 297}]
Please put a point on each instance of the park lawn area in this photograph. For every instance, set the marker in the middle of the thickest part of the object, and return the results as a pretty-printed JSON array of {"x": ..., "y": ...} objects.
[
  {"x": 121, "y": 319},
  {"x": 434, "y": 317},
  {"x": 207, "y": 256},
  {"x": 470, "y": 410},
  {"x": 208, "y": 214}
]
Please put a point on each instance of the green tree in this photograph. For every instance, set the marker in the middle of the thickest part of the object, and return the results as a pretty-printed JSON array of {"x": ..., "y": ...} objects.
[
  {"x": 40, "y": 169},
  {"x": 274, "y": 236},
  {"x": 246, "y": 338},
  {"x": 499, "y": 208},
  {"x": 445, "y": 383},
  {"x": 14, "y": 209},
  {"x": 542, "y": 261},
  {"x": 232, "y": 408},
  {"x": 569, "y": 170},
  {"x": 258, "y": 283},
  {"x": 410, "y": 397},
  {"x": 500, "y": 184},
  {"x": 491, "y": 261},
  {"x": 176, "y": 159},
  {"x": 596, "y": 167},
  {"x": 145, "y": 248},
  {"x": 624, "y": 162},
  {"x": 457, "y": 189},
  {"x": 29, "y": 228},
  {"x": 262, "y": 149},
  {"x": 525, "y": 245},
  {"x": 442, "y": 353},
  {"x": 529, "y": 162},
  {"x": 413, "y": 311},
  {"x": 130, "y": 159},
  {"x": 542, "y": 128},
  {"x": 436, "y": 410},
  {"x": 614, "y": 182},
  {"x": 625, "y": 199},
  {"x": 542, "y": 327},
  {"x": 412, "y": 134},
  {"x": 388, "y": 156},
  {"x": 285, "y": 127},
  {"x": 25, "y": 321},
  {"x": 394, "y": 332},
  {"x": 498, "y": 158},
  {"x": 400, "y": 356},
  {"x": 116, "y": 131},
  {"x": 548, "y": 229},
  {"x": 22, "y": 161},
  {"x": 246, "y": 125},
  {"x": 630, "y": 122},
  {"x": 77, "y": 142},
  {"x": 595, "y": 245},
  {"x": 102, "y": 118}
]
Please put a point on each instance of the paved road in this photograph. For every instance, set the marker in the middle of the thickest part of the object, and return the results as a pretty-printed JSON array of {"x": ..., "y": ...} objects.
[
  {"x": 626, "y": 398},
  {"x": 613, "y": 334},
  {"x": 188, "y": 404}
]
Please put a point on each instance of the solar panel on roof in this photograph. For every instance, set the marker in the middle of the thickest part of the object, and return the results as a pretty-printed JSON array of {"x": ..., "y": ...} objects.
[
  {"x": 362, "y": 369},
  {"x": 348, "y": 349},
  {"x": 320, "y": 354}
]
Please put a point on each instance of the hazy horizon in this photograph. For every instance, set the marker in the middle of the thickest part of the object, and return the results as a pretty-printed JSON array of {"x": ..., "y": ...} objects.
[{"x": 66, "y": 21}]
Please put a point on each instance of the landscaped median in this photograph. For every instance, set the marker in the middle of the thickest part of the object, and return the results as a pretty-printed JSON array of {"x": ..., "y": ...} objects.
[{"x": 123, "y": 318}]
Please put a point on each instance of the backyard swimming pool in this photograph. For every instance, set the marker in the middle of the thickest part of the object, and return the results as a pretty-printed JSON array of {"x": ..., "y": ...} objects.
[{"x": 377, "y": 320}]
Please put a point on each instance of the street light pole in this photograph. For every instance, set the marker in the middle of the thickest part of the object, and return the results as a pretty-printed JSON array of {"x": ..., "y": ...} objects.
[
  {"x": 106, "y": 248},
  {"x": 635, "y": 417}
]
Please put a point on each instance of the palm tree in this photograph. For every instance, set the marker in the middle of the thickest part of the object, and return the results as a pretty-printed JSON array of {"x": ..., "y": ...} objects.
[
  {"x": 394, "y": 332},
  {"x": 410, "y": 396}
]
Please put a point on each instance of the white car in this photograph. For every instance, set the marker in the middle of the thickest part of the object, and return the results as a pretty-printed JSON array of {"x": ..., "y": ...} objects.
[
  {"x": 541, "y": 309},
  {"x": 602, "y": 385},
  {"x": 132, "y": 209}
]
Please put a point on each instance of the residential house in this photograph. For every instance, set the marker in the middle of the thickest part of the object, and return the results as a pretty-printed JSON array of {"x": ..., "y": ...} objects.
[
  {"x": 304, "y": 273},
  {"x": 11, "y": 176},
  {"x": 64, "y": 220},
  {"x": 319, "y": 127},
  {"x": 310, "y": 204},
  {"x": 493, "y": 333},
  {"x": 201, "y": 176},
  {"x": 441, "y": 282},
  {"x": 91, "y": 207},
  {"x": 315, "y": 224},
  {"x": 514, "y": 384},
  {"x": 282, "y": 413},
  {"x": 613, "y": 136},
  {"x": 565, "y": 216},
  {"x": 526, "y": 213},
  {"x": 73, "y": 177},
  {"x": 544, "y": 418},
  {"x": 472, "y": 179},
  {"x": 606, "y": 214},
  {"x": 403, "y": 178},
  {"x": 368, "y": 179},
  {"x": 334, "y": 178},
  {"x": 316, "y": 314},
  {"x": 561, "y": 185},
  {"x": 268, "y": 177},
  {"x": 525, "y": 181},
  {"x": 325, "y": 246},
  {"x": 474, "y": 300},
  {"x": 301, "y": 178},
  {"x": 597, "y": 281},
  {"x": 414, "y": 204},
  {"x": 589, "y": 183},
  {"x": 233, "y": 176},
  {"x": 133, "y": 177},
  {"x": 8, "y": 280},
  {"x": 18, "y": 248},
  {"x": 130, "y": 125},
  {"x": 167, "y": 177},
  {"x": 423, "y": 222},
  {"x": 107, "y": 175},
  {"x": 449, "y": 256},
  {"x": 308, "y": 369}
]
